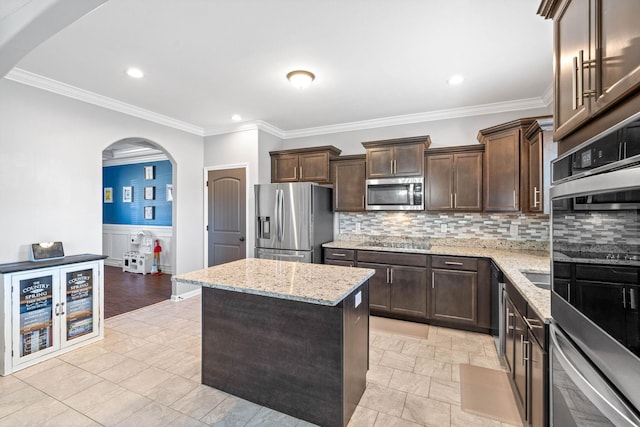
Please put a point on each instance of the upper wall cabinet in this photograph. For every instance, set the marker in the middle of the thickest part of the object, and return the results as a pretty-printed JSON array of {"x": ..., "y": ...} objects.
[
  {"x": 303, "y": 164},
  {"x": 454, "y": 178},
  {"x": 542, "y": 149},
  {"x": 348, "y": 177},
  {"x": 396, "y": 157},
  {"x": 506, "y": 166},
  {"x": 596, "y": 58}
]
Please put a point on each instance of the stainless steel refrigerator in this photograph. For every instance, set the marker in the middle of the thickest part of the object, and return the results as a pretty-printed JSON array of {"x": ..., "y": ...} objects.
[{"x": 293, "y": 221}]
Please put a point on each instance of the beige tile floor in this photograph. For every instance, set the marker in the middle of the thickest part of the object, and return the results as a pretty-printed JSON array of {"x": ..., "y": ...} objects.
[{"x": 146, "y": 372}]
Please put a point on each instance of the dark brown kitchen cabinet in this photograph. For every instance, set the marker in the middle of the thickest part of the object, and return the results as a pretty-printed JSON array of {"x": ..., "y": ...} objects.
[
  {"x": 337, "y": 256},
  {"x": 399, "y": 285},
  {"x": 348, "y": 174},
  {"x": 303, "y": 164},
  {"x": 506, "y": 166},
  {"x": 454, "y": 178},
  {"x": 396, "y": 157},
  {"x": 542, "y": 150},
  {"x": 526, "y": 357},
  {"x": 460, "y": 292},
  {"x": 596, "y": 58}
]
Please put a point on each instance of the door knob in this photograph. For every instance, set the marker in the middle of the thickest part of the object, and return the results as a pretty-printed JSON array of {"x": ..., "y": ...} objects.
[{"x": 242, "y": 239}]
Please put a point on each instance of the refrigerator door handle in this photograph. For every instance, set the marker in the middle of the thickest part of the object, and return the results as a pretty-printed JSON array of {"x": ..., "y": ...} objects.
[{"x": 280, "y": 215}]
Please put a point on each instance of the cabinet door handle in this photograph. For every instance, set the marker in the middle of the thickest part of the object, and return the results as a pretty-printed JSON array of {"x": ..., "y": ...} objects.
[
  {"x": 391, "y": 276},
  {"x": 453, "y": 263},
  {"x": 391, "y": 163},
  {"x": 295, "y": 173},
  {"x": 632, "y": 299},
  {"x": 61, "y": 308},
  {"x": 624, "y": 298},
  {"x": 455, "y": 200},
  {"x": 395, "y": 167},
  {"x": 536, "y": 192},
  {"x": 574, "y": 84},
  {"x": 57, "y": 311},
  {"x": 514, "y": 199},
  {"x": 300, "y": 172},
  {"x": 525, "y": 351},
  {"x": 388, "y": 275},
  {"x": 433, "y": 280},
  {"x": 580, "y": 78},
  {"x": 451, "y": 200}
]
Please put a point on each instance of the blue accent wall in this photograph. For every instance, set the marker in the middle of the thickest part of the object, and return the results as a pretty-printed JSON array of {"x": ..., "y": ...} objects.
[{"x": 132, "y": 213}]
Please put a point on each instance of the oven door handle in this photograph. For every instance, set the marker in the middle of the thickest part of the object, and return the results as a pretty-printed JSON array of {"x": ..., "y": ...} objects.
[{"x": 590, "y": 382}]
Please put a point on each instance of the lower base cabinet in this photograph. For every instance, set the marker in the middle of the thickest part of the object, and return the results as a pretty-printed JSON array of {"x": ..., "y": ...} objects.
[{"x": 526, "y": 358}]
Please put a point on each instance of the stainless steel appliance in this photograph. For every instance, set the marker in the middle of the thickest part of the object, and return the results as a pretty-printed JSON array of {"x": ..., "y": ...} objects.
[
  {"x": 395, "y": 194},
  {"x": 293, "y": 221},
  {"x": 595, "y": 337}
]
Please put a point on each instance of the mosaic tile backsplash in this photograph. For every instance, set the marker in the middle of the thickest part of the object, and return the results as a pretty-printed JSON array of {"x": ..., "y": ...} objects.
[
  {"x": 608, "y": 231},
  {"x": 513, "y": 228}
]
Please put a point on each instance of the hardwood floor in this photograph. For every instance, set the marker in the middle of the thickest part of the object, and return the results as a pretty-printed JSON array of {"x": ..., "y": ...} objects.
[{"x": 124, "y": 292}]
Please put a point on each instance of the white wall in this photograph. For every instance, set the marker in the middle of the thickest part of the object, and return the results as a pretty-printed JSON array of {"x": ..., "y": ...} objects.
[
  {"x": 450, "y": 132},
  {"x": 51, "y": 174}
]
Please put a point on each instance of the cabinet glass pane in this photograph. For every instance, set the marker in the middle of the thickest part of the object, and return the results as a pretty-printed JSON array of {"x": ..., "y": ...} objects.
[
  {"x": 36, "y": 314},
  {"x": 79, "y": 303}
]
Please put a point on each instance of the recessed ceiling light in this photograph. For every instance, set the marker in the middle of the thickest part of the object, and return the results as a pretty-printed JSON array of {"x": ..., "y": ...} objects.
[
  {"x": 136, "y": 73},
  {"x": 300, "y": 78},
  {"x": 455, "y": 80},
  {"x": 236, "y": 117}
]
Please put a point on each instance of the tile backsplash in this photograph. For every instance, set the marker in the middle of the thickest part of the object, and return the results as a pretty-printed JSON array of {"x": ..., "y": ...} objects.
[
  {"x": 607, "y": 230},
  {"x": 485, "y": 226}
]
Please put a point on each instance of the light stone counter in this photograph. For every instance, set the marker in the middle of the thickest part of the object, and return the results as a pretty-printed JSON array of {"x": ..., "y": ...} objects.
[
  {"x": 511, "y": 262},
  {"x": 313, "y": 283}
]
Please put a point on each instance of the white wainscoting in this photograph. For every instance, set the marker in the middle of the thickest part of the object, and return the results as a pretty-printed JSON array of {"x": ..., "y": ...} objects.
[{"x": 116, "y": 241}]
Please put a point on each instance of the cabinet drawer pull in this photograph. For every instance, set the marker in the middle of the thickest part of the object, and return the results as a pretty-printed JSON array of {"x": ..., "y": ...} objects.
[
  {"x": 337, "y": 254},
  {"x": 532, "y": 323},
  {"x": 453, "y": 263}
]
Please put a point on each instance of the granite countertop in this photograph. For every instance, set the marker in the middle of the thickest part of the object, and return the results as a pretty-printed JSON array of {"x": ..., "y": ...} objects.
[
  {"x": 511, "y": 262},
  {"x": 313, "y": 283}
]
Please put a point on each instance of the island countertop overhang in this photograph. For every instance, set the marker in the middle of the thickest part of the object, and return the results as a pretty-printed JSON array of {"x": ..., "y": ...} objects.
[{"x": 312, "y": 283}]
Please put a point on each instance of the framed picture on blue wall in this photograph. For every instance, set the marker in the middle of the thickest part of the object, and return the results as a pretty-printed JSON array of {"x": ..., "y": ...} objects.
[
  {"x": 149, "y": 193},
  {"x": 149, "y": 172},
  {"x": 108, "y": 195},
  {"x": 127, "y": 194},
  {"x": 149, "y": 212}
]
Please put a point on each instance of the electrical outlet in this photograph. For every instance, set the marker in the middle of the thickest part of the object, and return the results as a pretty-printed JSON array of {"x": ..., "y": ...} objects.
[
  {"x": 513, "y": 230},
  {"x": 443, "y": 228},
  {"x": 357, "y": 226}
]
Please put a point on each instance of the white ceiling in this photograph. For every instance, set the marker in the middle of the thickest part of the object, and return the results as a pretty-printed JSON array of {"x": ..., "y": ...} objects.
[{"x": 205, "y": 60}]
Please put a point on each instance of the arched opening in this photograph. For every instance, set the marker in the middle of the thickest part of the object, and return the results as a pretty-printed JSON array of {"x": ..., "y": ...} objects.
[{"x": 138, "y": 226}]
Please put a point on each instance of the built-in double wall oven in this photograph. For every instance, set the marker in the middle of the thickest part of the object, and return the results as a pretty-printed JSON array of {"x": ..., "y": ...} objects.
[{"x": 595, "y": 298}]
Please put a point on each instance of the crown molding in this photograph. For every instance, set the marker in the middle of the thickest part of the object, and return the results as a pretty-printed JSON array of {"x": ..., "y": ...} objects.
[
  {"x": 50, "y": 85},
  {"x": 134, "y": 160},
  {"x": 547, "y": 96},
  {"x": 452, "y": 113},
  {"x": 247, "y": 126},
  {"x": 35, "y": 80}
]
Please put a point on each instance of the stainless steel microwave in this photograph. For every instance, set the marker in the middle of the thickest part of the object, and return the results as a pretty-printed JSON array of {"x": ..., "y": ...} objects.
[{"x": 395, "y": 194}]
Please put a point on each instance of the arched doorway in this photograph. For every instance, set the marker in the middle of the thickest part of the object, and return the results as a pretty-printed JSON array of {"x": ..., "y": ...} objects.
[{"x": 138, "y": 228}]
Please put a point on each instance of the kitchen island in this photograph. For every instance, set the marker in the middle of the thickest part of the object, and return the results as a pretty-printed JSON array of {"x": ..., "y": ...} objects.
[{"x": 293, "y": 337}]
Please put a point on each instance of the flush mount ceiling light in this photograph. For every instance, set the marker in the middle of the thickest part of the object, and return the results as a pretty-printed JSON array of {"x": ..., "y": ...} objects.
[
  {"x": 236, "y": 117},
  {"x": 136, "y": 73},
  {"x": 455, "y": 80},
  {"x": 300, "y": 78}
]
